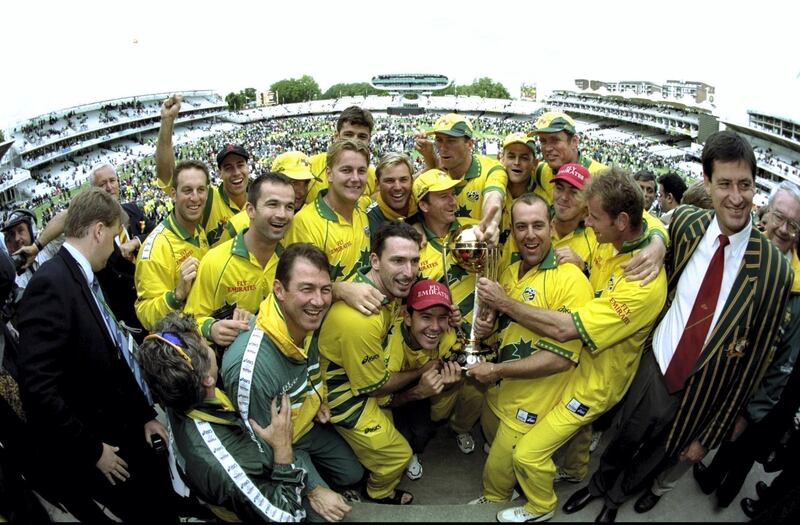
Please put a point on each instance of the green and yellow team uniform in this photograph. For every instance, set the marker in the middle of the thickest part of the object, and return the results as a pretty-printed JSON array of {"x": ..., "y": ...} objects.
[
  {"x": 514, "y": 406},
  {"x": 484, "y": 175},
  {"x": 157, "y": 264},
  {"x": 347, "y": 245},
  {"x": 320, "y": 180},
  {"x": 613, "y": 328},
  {"x": 230, "y": 274},
  {"x": 354, "y": 364},
  {"x": 404, "y": 356},
  {"x": 235, "y": 224},
  {"x": 218, "y": 210},
  {"x": 544, "y": 174},
  {"x": 280, "y": 366}
]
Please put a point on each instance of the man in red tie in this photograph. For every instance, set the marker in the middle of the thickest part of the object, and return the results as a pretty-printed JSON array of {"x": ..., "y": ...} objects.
[{"x": 728, "y": 287}]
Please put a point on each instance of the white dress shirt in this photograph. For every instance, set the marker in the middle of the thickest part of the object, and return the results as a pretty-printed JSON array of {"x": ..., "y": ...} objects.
[{"x": 670, "y": 329}]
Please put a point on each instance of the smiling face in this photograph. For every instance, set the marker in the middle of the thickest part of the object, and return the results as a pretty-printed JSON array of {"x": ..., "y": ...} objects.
[
  {"x": 428, "y": 326},
  {"x": 395, "y": 187},
  {"x": 519, "y": 162},
  {"x": 531, "y": 229},
  {"x": 731, "y": 188},
  {"x": 273, "y": 211},
  {"x": 305, "y": 299},
  {"x": 397, "y": 266},
  {"x": 439, "y": 207},
  {"x": 348, "y": 176},
  {"x": 235, "y": 174},
  {"x": 605, "y": 228},
  {"x": 782, "y": 221},
  {"x": 558, "y": 148},
  {"x": 190, "y": 196},
  {"x": 567, "y": 202}
]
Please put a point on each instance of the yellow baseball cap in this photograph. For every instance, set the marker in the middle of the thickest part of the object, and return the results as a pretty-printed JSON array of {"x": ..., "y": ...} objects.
[
  {"x": 553, "y": 122},
  {"x": 293, "y": 164},
  {"x": 453, "y": 125},
  {"x": 432, "y": 180},
  {"x": 520, "y": 138}
]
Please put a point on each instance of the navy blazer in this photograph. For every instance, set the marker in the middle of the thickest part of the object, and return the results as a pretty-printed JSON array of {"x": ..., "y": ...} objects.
[{"x": 76, "y": 387}]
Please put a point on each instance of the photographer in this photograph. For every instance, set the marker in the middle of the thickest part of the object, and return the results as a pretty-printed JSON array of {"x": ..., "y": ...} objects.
[{"x": 19, "y": 230}]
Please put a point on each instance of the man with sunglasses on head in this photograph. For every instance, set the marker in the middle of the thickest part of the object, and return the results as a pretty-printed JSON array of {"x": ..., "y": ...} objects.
[{"x": 253, "y": 476}]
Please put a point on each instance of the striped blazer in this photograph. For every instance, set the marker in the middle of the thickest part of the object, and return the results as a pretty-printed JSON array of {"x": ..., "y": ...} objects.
[{"x": 742, "y": 344}]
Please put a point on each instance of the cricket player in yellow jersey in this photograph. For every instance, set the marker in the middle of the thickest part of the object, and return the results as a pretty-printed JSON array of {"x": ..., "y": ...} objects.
[
  {"x": 518, "y": 157},
  {"x": 395, "y": 174},
  {"x": 354, "y": 123},
  {"x": 612, "y": 327},
  {"x": 354, "y": 364},
  {"x": 166, "y": 265},
  {"x": 558, "y": 140},
  {"x": 241, "y": 271},
  {"x": 524, "y": 395},
  {"x": 225, "y": 200},
  {"x": 423, "y": 335},
  {"x": 434, "y": 192},
  {"x": 337, "y": 225},
  {"x": 482, "y": 180},
  {"x": 575, "y": 243},
  {"x": 296, "y": 167}
]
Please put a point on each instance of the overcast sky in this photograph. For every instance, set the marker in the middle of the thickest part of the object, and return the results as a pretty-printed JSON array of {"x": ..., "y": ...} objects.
[{"x": 63, "y": 53}]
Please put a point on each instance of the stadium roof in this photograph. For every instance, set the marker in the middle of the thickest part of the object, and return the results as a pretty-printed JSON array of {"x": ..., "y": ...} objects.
[
  {"x": 410, "y": 82},
  {"x": 4, "y": 147}
]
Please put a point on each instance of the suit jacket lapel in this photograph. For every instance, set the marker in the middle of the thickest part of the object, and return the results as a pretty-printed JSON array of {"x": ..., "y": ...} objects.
[
  {"x": 738, "y": 306},
  {"x": 690, "y": 238},
  {"x": 80, "y": 280}
]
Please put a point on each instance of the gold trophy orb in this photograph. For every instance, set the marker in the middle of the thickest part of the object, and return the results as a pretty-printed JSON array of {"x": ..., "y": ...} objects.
[{"x": 475, "y": 257}]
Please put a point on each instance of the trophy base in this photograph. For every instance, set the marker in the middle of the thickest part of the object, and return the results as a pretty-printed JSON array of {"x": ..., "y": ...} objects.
[{"x": 471, "y": 356}]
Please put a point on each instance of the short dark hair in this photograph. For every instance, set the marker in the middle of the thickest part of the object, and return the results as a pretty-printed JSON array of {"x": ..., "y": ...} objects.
[
  {"x": 186, "y": 165},
  {"x": 356, "y": 116},
  {"x": 644, "y": 176},
  {"x": 393, "y": 229},
  {"x": 618, "y": 193},
  {"x": 300, "y": 250},
  {"x": 254, "y": 191},
  {"x": 727, "y": 146},
  {"x": 88, "y": 207},
  {"x": 673, "y": 184},
  {"x": 172, "y": 379},
  {"x": 530, "y": 199}
]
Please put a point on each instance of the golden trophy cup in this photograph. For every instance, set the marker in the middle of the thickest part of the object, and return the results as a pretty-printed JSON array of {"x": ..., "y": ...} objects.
[{"x": 478, "y": 258}]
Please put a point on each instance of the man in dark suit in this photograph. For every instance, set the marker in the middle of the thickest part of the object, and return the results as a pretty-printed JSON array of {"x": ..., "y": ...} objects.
[
  {"x": 116, "y": 278},
  {"x": 91, "y": 420},
  {"x": 728, "y": 288}
]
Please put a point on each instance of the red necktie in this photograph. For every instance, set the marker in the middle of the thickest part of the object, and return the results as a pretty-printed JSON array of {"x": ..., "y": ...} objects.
[{"x": 694, "y": 335}]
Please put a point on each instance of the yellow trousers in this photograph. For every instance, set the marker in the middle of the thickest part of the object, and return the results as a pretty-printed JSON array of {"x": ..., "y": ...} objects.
[
  {"x": 379, "y": 447},
  {"x": 498, "y": 471},
  {"x": 468, "y": 406},
  {"x": 532, "y": 458}
]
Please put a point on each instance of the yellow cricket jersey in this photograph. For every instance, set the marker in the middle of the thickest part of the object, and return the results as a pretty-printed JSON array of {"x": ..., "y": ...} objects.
[
  {"x": 460, "y": 282},
  {"x": 354, "y": 355},
  {"x": 230, "y": 274},
  {"x": 235, "y": 224},
  {"x": 157, "y": 263},
  {"x": 379, "y": 213},
  {"x": 519, "y": 403},
  {"x": 320, "y": 180},
  {"x": 485, "y": 174},
  {"x": 544, "y": 176},
  {"x": 796, "y": 269},
  {"x": 655, "y": 227},
  {"x": 347, "y": 245},
  {"x": 613, "y": 328},
  {"x": 404, "y": 354},
  {"x": 218, "y": 210}
]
